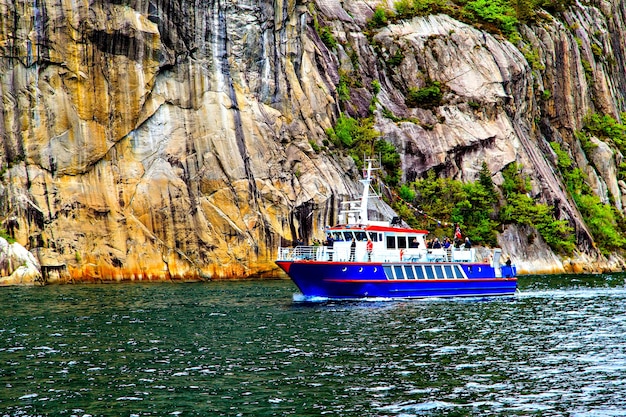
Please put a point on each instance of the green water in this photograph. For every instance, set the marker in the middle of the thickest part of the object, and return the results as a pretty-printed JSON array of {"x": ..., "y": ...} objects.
[{"x": 558, "y": 348}]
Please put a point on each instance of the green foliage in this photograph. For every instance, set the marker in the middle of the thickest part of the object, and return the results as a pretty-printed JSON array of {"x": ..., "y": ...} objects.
[
  {"x": 405, "y": 213},
  {"x": 514, "y": 181},
  {"x": 573, "y": 177},
  {"x": 553, "y": 6},
  {"x": 396, "y": 59},
  {"x": 602, "y": 222},
  {"x": 498, "y": 12},
  {"x": 524, "y": 10},
  {"x": 476, "y": 211},
  {"x": 522, "y": 209},
  {"x": 484, "y": 178},
  {"x": 606, "y": 127},
  {"x": 390, "y": 159},
  {"x": 327, "y": 37},
  {"x": 358, "y": 137},
  {"x": 314, "y": 146},
  {"x": 470, "y": 204},
  {"x": 597, "y": 51},
  {"x": 427, "y": 97},
  {"x": 621, "y": 171},
  {"x": 585, "y": 142},
  {"x": 477, "y": 208},
  {"x": 343, "y": 89},
  {"x": 374, "y": 101},
  {"x": 345, "y": 131},
  {"x": 389, "y": 115},
  {"x": 379, "y": 18},
  {"x": 498, "y": 16},
  {"x": 406, "y": 9},
  {"x": 376, "y": 86},
  {"x": 563, "y": 160},
  {"x": 533, "y": 58},
  {"x": 406, "y": 193},
  {"x": 6, "y": 236}
]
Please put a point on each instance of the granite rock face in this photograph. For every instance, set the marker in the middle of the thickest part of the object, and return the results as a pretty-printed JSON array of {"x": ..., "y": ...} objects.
[
  {"x": 158, "y": 140},
  {"x": 18, "y": 265}
]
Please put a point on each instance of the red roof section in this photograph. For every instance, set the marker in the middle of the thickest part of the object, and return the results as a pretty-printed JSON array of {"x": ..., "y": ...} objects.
[{"x": 375, "y": 228}]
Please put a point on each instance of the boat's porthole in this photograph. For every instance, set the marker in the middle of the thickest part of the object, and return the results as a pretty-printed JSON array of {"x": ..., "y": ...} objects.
[
  {"x": 361, "y": 269},
  {"x": 344, "y": 269},
  {"x": 375, "y": 269}
]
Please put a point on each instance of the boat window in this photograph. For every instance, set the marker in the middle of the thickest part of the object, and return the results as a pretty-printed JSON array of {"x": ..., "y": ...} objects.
[
  {"x": 380, "y": 237},
  {"x": 419, "y": 272},
  {"x": 373, "y": 236},
  {"x": 449, "y": 272},
  {"x": 438, "y": 271},
  {"x": 409, "y": 272},
  {"x": 401, "y": 242},
  {"x": 413, "y": 243},
  {"x": 337, "y": 236},
  {"x": 398, "y": 271},
  {"x": 388, "y": 272},
  {"x": 348, "y": 236},
  {"x": 459, "y": 272},
  {"x": 429, "y": 271},
  {"x": 360, "y": 236},
  {"x": 391, "y": 242}
]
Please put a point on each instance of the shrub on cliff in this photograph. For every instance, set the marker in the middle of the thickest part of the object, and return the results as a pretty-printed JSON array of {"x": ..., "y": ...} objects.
[
  {"x": 499, "y": 16},
  {"x": 603, "y": 220},
  {"x": 379, "y": 18},
  {"x": 498, "y": 12},
  {"x": 358, "y": 137},
  {"x": 520, "y": 208},
  {"x": 427, "y": 97},
  {"x": 440, "y": 202}
]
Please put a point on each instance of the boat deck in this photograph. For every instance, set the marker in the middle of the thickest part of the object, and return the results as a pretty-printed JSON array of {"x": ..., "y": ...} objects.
[{"x": 344, "y": 253}]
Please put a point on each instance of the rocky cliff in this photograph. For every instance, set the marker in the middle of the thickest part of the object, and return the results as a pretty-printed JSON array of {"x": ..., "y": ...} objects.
[{"x": 152, "y": 140}]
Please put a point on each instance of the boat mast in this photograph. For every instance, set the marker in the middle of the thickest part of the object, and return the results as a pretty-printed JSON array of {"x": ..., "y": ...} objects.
[
  {"x": 366, "y": 181},
  {"x": 356, "y": 211}
]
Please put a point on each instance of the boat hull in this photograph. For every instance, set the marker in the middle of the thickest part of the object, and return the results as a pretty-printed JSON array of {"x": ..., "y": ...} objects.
[{"x": 364, "y": 280}]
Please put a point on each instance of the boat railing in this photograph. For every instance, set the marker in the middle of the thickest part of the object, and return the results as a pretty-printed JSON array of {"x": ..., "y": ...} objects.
[{"x": 348, "y": 254}]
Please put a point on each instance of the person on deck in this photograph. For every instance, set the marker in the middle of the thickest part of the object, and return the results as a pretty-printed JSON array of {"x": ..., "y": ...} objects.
[
  {"x": 369, "y": 246},
  {"x": 352, "y": 250},
  {"x": 457, "y": 232},
  {"x": 329, "y": 244}
]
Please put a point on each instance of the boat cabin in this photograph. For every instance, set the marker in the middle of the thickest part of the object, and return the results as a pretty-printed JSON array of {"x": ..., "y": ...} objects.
[{"x": 345, "y": 243}]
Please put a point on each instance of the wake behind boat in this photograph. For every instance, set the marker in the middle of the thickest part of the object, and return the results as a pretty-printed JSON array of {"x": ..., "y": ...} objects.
[{"x": 363, "y": 258}]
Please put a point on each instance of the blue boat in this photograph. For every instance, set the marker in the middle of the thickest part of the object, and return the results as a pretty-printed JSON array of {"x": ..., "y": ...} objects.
[{"x": 364, "y": 258}]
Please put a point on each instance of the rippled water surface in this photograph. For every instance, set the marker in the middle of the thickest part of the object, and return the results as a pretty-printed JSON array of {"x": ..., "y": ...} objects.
[{"x": 558, "y": 348}]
